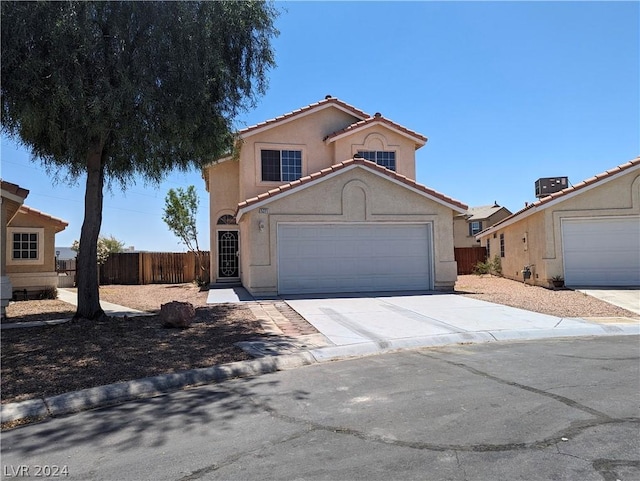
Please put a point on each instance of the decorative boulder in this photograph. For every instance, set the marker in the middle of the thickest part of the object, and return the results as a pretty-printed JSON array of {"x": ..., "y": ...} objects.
[{"x": 177, "y": 314}]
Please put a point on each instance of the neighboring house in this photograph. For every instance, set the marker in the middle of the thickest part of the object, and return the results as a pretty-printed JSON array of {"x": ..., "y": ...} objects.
[
  {"x": 12, "y": 197},
  {"x": 468, "y": 252},
  {"x": 323, "y": 200},
  {"x": 589, "y": 234},
  {"x": 466, "y": 226},
  {"x": 30, "y": 251}
]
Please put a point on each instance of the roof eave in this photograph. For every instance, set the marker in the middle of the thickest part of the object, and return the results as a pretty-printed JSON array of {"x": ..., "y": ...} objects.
[
  {"x": 286, "y": 118},
  {"x": 554, "y": 199},
  {"x": 419, "y": 141}
]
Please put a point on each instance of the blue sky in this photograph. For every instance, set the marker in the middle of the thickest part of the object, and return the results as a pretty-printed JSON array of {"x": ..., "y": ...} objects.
[{"x": 506, "y": 92}]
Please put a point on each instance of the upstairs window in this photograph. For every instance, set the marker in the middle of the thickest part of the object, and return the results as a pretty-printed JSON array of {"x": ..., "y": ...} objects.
[
  {"x": 475, "y": 227},
  {"x": 281, "y": 165},
  {"x": 381, "y": 157}
]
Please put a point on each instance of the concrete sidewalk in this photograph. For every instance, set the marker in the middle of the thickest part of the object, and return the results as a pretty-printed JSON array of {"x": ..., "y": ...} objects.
[
  {"x": 71, "y": 297},
  {"x": 109, "y": 308}
]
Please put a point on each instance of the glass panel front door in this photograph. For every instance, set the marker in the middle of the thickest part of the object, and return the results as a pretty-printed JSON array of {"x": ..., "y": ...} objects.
[{"x": 227, "y": 253}]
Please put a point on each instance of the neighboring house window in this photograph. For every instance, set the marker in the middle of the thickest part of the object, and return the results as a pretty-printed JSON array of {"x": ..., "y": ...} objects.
[
  {"x": 474, "y": 227},
  {"x": 25, "y": 245},
  {"x": 281, "y": 165},
  {"x": 501, "y": 245},
  {"x": 380, "y": 157},
  {"x": 488, "y": 248}
]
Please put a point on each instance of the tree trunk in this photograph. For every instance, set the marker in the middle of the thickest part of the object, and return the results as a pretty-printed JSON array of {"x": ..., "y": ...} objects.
[{"x": 88, "y": 293}]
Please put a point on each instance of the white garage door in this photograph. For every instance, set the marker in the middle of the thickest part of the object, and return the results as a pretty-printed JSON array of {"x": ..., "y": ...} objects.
[
  {"x": 353, "y": 257},
  {"x": 601, "y": 252}
]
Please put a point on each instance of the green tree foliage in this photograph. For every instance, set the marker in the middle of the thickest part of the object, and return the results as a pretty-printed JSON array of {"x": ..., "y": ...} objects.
[
  {"x": 111, "y": 91},
  {"x": 180, "y": 210},
  {"x": 490, "y": 266},
  {"x": 106, "y": 246}
]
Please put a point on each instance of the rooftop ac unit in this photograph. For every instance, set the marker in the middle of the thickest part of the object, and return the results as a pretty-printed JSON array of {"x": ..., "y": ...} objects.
[{"x": 548, "y": 185}]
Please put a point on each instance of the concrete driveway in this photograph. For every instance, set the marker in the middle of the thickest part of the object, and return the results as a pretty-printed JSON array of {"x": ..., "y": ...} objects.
[
  {"x": 379, "y": 322},
  {"x": 628, "y": 299}
]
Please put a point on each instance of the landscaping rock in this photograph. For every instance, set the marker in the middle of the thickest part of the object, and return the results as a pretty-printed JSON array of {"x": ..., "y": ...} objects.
[{"x": 177, "y": 314}]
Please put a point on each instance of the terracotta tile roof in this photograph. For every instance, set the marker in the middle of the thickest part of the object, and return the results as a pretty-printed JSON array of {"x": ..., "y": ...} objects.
[
  {"x": 60, "y": 224},
  {"x": 542, "y": 203},
  {"x": 14, "y": 189},
  {"x": 328, "y": 100},
  {"x": 342, "y": 165},
  {"x": 377, "y": 119}
]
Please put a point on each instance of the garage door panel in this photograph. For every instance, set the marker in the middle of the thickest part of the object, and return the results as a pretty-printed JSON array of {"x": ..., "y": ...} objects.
[
  {"x": 602, "y": 252},
  {"x": 353, "y": 257}
]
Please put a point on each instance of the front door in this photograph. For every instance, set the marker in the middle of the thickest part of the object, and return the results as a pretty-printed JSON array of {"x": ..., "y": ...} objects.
[{"x": 227, "y": 253}]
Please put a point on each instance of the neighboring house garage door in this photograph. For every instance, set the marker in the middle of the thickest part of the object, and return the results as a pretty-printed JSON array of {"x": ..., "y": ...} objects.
[
  {"x": 353, "y": 257},
  {"x": 601, "y": 252}
]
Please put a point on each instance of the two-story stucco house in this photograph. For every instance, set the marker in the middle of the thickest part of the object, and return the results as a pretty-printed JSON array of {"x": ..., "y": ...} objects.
[
  {"x": 323, "y": 199},
  {"x": 475, "y": 220}
]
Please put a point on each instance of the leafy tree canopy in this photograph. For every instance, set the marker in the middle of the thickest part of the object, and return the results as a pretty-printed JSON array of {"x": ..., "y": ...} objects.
[
  {"x": 116, "y": 90},
  {"x": 180, "y": 210},
  {"x": 106, "y": 246},
  {"x": 156, "y": 84}
]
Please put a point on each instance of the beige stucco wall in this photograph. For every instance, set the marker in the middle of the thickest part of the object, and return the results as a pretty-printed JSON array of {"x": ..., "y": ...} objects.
[
  {"x": 543, "y": 234},
  {"x": 305, "y": 133},
  {"x": 224, "y": 196},
  {"x": 356, "y": 195},
  {"x": 461, "y": 235},
  {"x": 378, "y": 137},
  {"x": 33, "y": 275}
]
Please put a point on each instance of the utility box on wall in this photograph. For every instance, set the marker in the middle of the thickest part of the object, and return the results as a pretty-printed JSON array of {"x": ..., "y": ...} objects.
[{"x": 548, "y": 185}]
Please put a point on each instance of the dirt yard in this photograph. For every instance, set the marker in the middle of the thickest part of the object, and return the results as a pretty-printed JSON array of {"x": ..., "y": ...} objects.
[{"x": 44, "y": 361}]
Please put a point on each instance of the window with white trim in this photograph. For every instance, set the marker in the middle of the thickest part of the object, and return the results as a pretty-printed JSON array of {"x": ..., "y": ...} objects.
[
  {"x": 25, "y": 245},
  {"x": 281, "y": 165},
  {"x": 475, "y": 227},
  {"x": 501, "y": 245},
  {"x": 384, "y": 158}
]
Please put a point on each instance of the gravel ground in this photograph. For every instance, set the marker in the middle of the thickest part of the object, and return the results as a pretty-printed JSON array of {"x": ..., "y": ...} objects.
[
  {"x": 45, "y": 361},
  {"x": 561, "y": 303}
]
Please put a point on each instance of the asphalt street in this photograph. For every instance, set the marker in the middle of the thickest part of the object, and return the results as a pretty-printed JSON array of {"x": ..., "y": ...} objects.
[{"x": 552, "y": 409}]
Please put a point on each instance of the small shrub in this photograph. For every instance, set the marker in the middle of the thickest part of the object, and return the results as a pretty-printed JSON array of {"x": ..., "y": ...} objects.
[
  {"x": 490, "y": 266},
  {"x": 49, "y": 293},
  {"x": 482, "y": 268},
  {"x": 496, "y": 266}
]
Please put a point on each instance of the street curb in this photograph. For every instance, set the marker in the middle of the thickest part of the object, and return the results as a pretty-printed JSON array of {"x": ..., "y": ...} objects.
[
  {"x": 110, "y": 394},
  {"x": 117, "y": 393},
  {"x": 333, "y": 353}
]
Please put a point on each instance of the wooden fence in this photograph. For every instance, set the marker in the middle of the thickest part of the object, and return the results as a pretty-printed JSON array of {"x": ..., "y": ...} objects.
[
  {"x": 468, "y": 257},
  {"x": 153, "y": 268}
]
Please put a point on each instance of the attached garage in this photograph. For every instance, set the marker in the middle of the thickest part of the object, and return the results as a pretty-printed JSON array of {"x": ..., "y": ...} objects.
[
  {"x": 602, "y": 251},
  {"x": 354, "y": 257}
]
